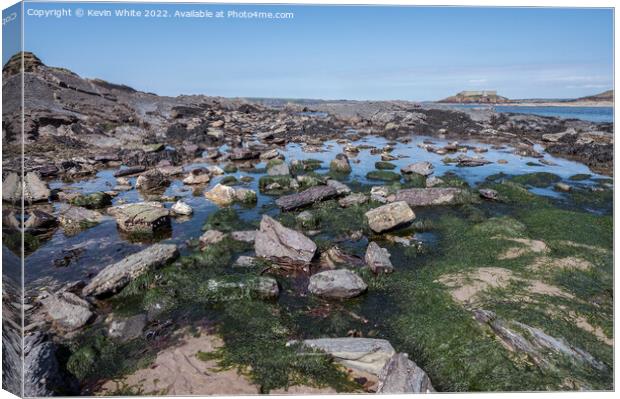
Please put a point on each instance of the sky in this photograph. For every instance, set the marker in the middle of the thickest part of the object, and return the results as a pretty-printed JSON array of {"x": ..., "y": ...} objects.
[{"x": 333, "y": 52}]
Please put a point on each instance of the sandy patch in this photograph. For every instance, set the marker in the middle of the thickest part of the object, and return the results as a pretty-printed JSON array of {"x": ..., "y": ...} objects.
[
  {"x": 527, "y": 246},
  {"x": 539, "y": 287},
  {"x": 177, "y": 371},
  {"x": 583, "y": 323},
  {"x": 465, "y": 286},
  {"x": 592, "y": 248},
  {"x": 569, "y": 262}
]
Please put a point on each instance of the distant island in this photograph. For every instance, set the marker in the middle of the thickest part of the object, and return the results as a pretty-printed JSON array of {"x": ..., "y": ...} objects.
[{"x": 604, "y": 99}]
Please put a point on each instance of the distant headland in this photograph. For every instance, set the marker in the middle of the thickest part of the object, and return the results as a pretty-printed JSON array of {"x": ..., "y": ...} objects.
[{"x": 604, "y": 99}]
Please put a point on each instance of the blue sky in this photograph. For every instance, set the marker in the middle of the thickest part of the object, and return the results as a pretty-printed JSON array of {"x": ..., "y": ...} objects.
[{"x": 336, "y": 52}]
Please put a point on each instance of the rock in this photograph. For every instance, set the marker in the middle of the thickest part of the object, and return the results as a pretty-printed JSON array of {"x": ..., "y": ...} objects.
[
  {"x": 277, "y": 167},
  {"x": 276, "y": 241},
  {"x": 181, "y": 208},
  {"x": 244, "y": 236},
  {"x": 221, "y": 195},
  {"x": 380, "y": 194},
  {"x": 562, "y": 187},
  {"x": 235, "y": 288},
  {"x": 556, "y": 137},
  {"x": 353, "y": 199},
  {"x": 151, "y": 180},
  {"x": 35, "y": 190},
  {"x": 96, "y": 200},
  {"x": 74, "y": 219},
  {"x": 141, "y": 217},
  {"x": 401, "y": 375},
  {"x": 429, "y": 196},
  {"x": 116, "y": 276},
  {"x": 11, "y": 188},
  {"x": 132, "y": 170},
  {"x": 271, "y": 154},
  {"x": 210, "y": 237},
  {"x": 246, "y": 195},
  {"x": 465, "y": 161},
  {"x": 245, "y": 261},
  {"x": 341, "y": 188},
  {"x": 127, "y": 329},
  {"x": 340, "y": 164},
  {"x": 306, "y": 197},
  {"x": 421, "y": 168},
  {"x": 433, "y": 181},
  {"x": 39, "y": 220},
  {"x": 389, "y": 216},
  {"x": 215, "y": 170},
  {"x": 378, "y": 259},
  {"x": 198, "y": 176},
  {"x": 337, "y": 284},
  {"x": 42, "y": 372},
  {"x": 67, "y": 311},
  {"x": 367, "y": 355},
  {"x": 489, "y": 194},
  {"x": 241, "y": 154}
]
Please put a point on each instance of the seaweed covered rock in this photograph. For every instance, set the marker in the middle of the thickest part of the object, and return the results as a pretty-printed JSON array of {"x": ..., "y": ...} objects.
[
  {"x": 74, "y": 219},
  {"x": 276, "y": 241},
  {"x": 114, "y": 277},
  {"x": 337, "y": 284},
  {"x": 96, "y": 200},
  {"x": 389, "y": 216}
]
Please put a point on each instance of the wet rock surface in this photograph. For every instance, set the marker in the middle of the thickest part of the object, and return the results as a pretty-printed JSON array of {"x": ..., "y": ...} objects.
[
  {"x": 389, "y": 216},
  {"x": 276, "y": 241},
  {"x": 337, "y": 284}
]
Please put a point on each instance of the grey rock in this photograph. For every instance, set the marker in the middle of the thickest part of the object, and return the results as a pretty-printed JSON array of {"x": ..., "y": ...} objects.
[
  {"x": 198, "y": 176},
  {"x": 114, "y": 277},
  {"x": 221, "y": 195},
  {"x": 353, "y": 199},
  {"x": 340, "y": 164},
  {"x": 402, "y": 375},
  {"x": 132, "y": 170},
  {"x": 278, "y": 169},
  {"x": 341, "y": 188},
  {"x": 74, "y": 219},
  {"x": 42, "y": 372},
  {"x": 337, "y": 284},
  {"x": 276, "y": 241},
  {"x": 429, "y": 196},
  {"x": 39, "y": 220},
  {"x": 127, "y": 329},
  {"x": 378, "y": 259},
  {"x": 227, "y": 289},
  {"x": 488, "y": 193},
  {"x": 142, "y": 217},
  {"x": 389, "y": 216},
  {"x": 421, "y": 168},
  {"x": 152, "y": 180},
  {"x": 210, "y": 237},
  {"x": 244, "y": 236},
  {"x": 67, "y": 311},
  {"x": 245, "y": 261},
  {"x": 182, "y": 208},
  {"x": 362, "y": 354},
  {"x": 306, "y": 197}
]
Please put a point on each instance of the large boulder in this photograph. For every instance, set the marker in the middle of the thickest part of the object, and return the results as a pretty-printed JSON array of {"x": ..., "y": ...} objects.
[
  {"x": 388, "y": 216},
  {"x": 114, "y": 277},
  {"x": 337, "y": 284},
  {"x": 67, "y": 311},
  {"x": 430, "y": 196},
  {"x": 276, "y": 241},
  {"x": 402, "y": 375},
  {"x": 306, "y": 197},
  {"x": 141, "y": 217},
  {"x": 378, "y": 259},
  {"x": 74, "y": 219},
  {"x": 421, "y": 168},
  {"x": 34, "y": 189},
  {"x": 367, "y": 355},
  {"x": 340, "y": 164}
]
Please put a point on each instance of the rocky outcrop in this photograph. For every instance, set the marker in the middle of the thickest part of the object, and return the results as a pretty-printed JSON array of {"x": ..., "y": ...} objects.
[
  {"x": 276, "y": 241},
  {"x": 114, "y": 277},
  {"x": 42, "y": 372},
  {"x": 34, "y": 189},
  {"x": 337, "y": 284},
  {"x": 340, "y": 164},
  {"x": 421, "y": 168},
  {"x": 197, "y": 176},
  {"x": 74, "y": 219},
  {"x": 221, "y": 195},
  {"x": 152, "y": 180},
  {"x": 387, "y": 217},
  {"x": 378, "y": 259}
]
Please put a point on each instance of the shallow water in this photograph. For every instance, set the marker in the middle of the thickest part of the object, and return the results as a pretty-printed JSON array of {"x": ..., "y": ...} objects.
[{"x": 63, "y": 258}]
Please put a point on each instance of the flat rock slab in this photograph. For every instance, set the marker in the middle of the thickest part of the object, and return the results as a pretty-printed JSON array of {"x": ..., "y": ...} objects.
[
  {"x": 129, "y": 171},
  {"x": 337, "y": 284},
  {"x": 367, "y": 355},
  {"x": 276, "y": 241},
  {"x": 306, "y": 197},
  {"x": 114, "y": 277},
  {"x": 232, "y": 289},
  {"x": 141, "y": 217},
  {"x": 402, "y": 375},
  {"x": 429, "y": 196},
  {"x": 389, "y": 216},
  {"x": 421, "y": 168}
]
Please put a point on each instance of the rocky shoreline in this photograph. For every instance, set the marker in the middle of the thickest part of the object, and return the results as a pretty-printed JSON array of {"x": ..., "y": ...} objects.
[{"x": 312, "y": 273}]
